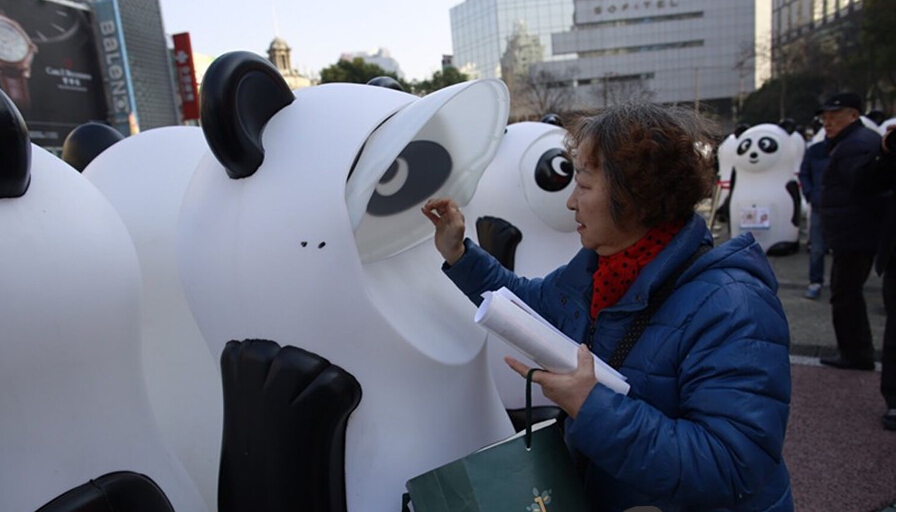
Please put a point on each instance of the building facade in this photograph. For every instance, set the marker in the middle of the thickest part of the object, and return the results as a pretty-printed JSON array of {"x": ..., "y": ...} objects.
[
  {"x": 671, "y": 51},
  {"x": 88, "y": 60},
  {"x": 481, "y": 30},
  {"x": 792, "y": 19},
  {"x": 152, "y": 77},
  {"x": 281, "y": 55}
]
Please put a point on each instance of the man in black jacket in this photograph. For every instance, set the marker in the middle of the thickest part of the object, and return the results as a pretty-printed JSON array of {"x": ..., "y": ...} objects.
[{"x": 851, "y": 226}]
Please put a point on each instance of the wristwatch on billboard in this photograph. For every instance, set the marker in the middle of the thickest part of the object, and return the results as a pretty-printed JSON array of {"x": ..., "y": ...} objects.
[{"x": 16, "y": 53}]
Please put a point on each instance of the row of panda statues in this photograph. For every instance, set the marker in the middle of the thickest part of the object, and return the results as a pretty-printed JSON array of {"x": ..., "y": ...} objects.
[
  {"x": 251, "y": 315},
  {"x": 758, "y": 180}
]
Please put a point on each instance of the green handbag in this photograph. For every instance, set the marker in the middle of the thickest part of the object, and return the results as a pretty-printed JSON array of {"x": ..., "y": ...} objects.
[{"x": 531, "y": 471}]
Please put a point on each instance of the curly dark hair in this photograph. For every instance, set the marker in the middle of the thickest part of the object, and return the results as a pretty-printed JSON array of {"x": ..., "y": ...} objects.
[{"x": 658, "y": 160}]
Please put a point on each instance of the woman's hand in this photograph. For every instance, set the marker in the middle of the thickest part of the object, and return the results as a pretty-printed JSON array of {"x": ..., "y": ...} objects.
[
  {"x": 568, "y": 390},
  {"x": 449, "y": 221}
]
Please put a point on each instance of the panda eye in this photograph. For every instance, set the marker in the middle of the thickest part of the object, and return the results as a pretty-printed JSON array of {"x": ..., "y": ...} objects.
[
  {"x": 554, "y": 171},
  {"x": 768, "y": 145},
  {"x": 394, "y": 179},
  {"x": 744, "y": 146},
  {"x": 416, "y": 174}
]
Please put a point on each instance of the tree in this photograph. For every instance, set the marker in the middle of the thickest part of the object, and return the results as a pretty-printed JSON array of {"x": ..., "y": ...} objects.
[
  {"x": 615, "y": 89},
  {"x": 877, "y": 55},
  {"x": 541, "y": 92},
  {"x": 763, "y": 105},
  {"x": 855, "y": 53},
  {"x": 357, "y": 71},
  {"x": 448, "y": 76}
]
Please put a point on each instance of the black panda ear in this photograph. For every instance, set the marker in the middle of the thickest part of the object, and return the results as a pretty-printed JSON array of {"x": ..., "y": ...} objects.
[
  {"x": 240, "y": 92},
  {"x": 788, "y": 125},
  {"x": 552, "y": 118},
  {"x": 15, "y": 146},
  {"x": 386, "y": 81}
]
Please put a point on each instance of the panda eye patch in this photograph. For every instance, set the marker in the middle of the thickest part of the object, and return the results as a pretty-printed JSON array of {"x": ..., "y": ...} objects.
[
  {"x": 768, "y": 145},
  {"x": 744, "y": 146}
]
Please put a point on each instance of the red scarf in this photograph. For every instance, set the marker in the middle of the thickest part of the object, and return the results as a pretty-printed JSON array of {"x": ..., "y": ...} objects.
[{"x": 617, "y": 272}]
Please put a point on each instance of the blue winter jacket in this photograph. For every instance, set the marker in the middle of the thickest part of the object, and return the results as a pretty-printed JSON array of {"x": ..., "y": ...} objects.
[
  {"x": 814, "y": 162},
  {"x": 851, "y": 214},
  {"x": 703, "y": 424}
]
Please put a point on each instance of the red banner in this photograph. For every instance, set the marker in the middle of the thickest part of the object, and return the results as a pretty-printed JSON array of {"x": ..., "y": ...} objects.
[{"x": 186, "y": 76}]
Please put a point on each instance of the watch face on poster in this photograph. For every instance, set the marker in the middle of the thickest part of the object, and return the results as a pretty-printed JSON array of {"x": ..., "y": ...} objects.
[
  {"x": 46, "y": 21},
  {"x": 58, "y": 83},
  {"x": 14, "y": 45}
]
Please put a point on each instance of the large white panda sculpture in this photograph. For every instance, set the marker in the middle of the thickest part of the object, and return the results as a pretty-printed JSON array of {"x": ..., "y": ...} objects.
[
  {"x": 766, "y": 200},
  {"x": 145, "y": 177},
  {"x": 519, "y": 214},
  {"x": 299, "y": 232},
  {"x": 74, "y": 406}
]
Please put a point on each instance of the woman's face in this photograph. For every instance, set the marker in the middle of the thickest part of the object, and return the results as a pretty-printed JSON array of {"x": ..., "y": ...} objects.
[{"x": 590, "y": 200}]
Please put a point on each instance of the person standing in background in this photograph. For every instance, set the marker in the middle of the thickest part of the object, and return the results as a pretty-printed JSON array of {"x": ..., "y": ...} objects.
[
  {"x": 810, "y": 176},
  {"x": 851, "y": 226}
]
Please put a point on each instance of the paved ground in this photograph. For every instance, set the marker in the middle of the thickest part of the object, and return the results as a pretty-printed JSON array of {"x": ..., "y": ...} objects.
[{"x": 840, "y": 458}]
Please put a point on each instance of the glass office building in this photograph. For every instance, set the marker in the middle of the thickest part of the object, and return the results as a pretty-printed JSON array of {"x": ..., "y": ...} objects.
[{"x": 481, "y": 30}]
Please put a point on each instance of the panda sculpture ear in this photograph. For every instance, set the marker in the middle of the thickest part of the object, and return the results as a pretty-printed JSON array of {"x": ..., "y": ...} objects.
[
  {"x": 386, "y": 81},
  {"x": 240, "y": 92},
  {"x": 15, "y": 146}
]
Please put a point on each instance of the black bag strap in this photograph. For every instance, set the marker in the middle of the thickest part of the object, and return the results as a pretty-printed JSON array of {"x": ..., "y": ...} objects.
[
  {"x": 529, "y": 406},
  {"x": 644, "y": 316}
]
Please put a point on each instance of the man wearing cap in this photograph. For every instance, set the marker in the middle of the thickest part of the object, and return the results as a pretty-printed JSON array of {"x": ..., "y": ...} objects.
[{"x": 851, "y": 226}]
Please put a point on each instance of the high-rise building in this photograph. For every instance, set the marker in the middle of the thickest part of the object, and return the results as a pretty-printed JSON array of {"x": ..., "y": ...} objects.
[
  {"x": 671, "y": 51},
  {"x": 795, "y": 18},
  {"x": 809, "y": 33},
  {"x": 150, "y": 63},
  {"x": 481, "y": 30}
]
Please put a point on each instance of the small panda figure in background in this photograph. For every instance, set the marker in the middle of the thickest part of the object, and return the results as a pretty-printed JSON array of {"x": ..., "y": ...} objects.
[{"x": 766, "y": 200}]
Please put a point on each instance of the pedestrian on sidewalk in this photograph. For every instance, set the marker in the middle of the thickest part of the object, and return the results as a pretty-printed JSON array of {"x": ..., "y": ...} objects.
[
  {"x": 810, "y": 176},
  {"x": 851, "y": 226}
]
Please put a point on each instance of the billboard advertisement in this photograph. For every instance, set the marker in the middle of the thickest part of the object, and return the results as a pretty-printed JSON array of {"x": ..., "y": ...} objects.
[{"x": 49, "y": 66}]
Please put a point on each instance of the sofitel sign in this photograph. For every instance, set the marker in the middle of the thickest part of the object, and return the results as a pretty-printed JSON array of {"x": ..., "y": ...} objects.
[{"x": 642, "y": 6}]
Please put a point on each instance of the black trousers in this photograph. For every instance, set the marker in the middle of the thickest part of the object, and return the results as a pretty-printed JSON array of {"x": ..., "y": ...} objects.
[
  {"x": 849, "y": 317},
  {"x": 887, "y": 351}
]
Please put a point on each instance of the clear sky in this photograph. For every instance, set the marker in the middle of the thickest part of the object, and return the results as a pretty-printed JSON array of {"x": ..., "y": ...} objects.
[{"x": 416, "y": 32}]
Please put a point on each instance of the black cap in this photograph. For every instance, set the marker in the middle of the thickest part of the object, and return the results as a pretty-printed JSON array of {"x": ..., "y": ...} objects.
[{"x": 842, "y": 100}]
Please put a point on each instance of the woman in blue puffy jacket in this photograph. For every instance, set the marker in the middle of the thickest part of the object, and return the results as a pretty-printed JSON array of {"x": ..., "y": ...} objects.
[{"x": 703, "y": 423}]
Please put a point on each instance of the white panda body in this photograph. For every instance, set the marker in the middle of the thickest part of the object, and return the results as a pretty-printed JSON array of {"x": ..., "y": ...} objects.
[
  {"x": 293, "y": 254},
  {"x": 761, "y": 202}
]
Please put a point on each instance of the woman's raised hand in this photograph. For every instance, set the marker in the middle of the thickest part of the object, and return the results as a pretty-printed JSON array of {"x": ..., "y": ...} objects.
[{"x": 449, "y": 221}]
